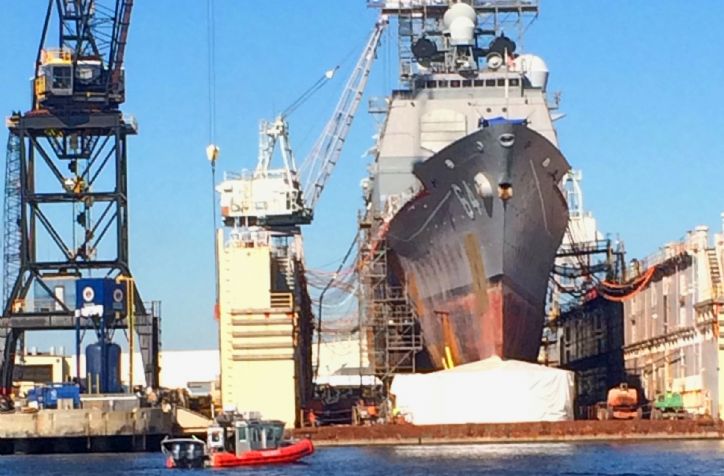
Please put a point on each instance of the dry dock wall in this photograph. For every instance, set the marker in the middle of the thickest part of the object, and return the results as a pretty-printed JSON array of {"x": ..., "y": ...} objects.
[
  {"x": 48, "y": 431},
  {"x": 572, "y": 431}
]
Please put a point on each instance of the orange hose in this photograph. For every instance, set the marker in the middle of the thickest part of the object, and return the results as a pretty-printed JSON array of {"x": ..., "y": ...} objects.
[{"x": 644, "y": 282}]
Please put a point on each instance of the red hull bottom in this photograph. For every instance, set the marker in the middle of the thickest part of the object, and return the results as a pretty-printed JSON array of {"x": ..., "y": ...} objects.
[{"x": 285, "y": 454}]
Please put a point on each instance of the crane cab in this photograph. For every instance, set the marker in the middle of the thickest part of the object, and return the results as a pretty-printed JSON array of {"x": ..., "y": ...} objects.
[
  {"x": 60, "y": 78},
  {"x": 55, "y": 75},
  {"x": 263, "y": 198}
]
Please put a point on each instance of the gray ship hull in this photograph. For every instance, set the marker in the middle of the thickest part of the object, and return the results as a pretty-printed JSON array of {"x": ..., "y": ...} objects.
[{"x": 476, "y": 246}]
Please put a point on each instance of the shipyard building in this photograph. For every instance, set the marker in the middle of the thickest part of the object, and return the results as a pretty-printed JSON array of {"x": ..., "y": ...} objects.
[
  {"x": 671, "y": 327},
  {"x": 661, "y": 335}
]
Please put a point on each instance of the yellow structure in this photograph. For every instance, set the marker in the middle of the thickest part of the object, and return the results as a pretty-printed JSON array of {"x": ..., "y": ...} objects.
[
  {"x": 41, "y": 369},
  {"x": 263, "y": 340}
]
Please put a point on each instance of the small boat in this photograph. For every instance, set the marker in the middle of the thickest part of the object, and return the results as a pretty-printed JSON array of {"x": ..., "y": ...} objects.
[{"x": 236, "y": 441}]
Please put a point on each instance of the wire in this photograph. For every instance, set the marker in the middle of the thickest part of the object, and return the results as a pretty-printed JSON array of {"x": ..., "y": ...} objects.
[
  {"x": 211, "y": 68},
  {"x": 321, "y": 300},
  {"x": 211, "y": 65}
]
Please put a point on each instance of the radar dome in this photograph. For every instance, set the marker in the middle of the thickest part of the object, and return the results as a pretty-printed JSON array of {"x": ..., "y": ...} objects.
[
  {"x": 534, "y": 69},
  {"x": 460, "y": 20}
]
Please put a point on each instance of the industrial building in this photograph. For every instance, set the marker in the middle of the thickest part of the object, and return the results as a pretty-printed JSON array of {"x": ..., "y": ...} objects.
[
  {"x": 591, "y": 345},
  {"x": 671, "y": 324},
  {"x": 655, "y": 325}
]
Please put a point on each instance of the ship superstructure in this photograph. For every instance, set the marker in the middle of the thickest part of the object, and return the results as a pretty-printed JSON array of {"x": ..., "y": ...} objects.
[{"x": 464, "y": 196}]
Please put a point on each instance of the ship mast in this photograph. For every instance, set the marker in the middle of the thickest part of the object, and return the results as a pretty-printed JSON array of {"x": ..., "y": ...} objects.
[{"x": 436, "y": 36}]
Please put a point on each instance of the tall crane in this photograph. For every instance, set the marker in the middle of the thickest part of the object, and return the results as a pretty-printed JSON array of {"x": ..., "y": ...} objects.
[
  {"x": 69, "y": 152},
  {"x": 281, "y": 198},
  {"x": 263, "y": 305}
]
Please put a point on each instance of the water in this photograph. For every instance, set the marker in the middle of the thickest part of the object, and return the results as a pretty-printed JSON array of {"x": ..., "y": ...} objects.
[{"x": 680, "y": 458}]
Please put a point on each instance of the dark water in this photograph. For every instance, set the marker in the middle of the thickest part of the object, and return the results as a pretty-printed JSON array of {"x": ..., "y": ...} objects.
[{"x": 605, "y": 459}]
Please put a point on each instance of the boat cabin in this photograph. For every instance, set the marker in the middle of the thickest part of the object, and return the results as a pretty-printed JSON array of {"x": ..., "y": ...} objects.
[{"x": 245, "y": 435}]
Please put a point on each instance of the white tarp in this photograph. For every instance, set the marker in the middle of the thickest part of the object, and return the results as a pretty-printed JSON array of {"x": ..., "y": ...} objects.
[{"x": 487, "y": 391}]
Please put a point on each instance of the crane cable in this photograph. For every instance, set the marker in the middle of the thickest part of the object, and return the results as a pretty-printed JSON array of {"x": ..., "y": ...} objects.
[
  {"x": 212, "y": 150},
  {"x": 329, "y": 74},
  {"x": 211, "y": 68}
]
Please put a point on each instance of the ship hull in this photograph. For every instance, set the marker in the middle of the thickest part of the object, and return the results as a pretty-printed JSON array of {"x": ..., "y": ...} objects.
[{"x": 476, "y": 246}]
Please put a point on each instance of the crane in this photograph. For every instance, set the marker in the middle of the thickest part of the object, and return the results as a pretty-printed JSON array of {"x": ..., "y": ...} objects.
[
  {"x": 75, "y": 137},
  {"x": 85, "y": 71},
  {"x": 279, "y": 198}
]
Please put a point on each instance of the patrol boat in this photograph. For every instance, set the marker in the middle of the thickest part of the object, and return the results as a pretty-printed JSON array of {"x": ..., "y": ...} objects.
[{"x": 235, "y": 440}]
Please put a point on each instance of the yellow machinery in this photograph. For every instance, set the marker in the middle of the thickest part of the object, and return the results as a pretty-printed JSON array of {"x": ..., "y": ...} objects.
[{"x": 55, "y": 75}]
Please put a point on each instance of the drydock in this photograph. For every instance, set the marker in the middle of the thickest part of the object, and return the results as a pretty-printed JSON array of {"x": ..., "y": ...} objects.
[{"x": 489, "y": 306}]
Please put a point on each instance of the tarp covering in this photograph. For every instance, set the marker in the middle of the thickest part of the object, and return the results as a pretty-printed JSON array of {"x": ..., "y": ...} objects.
[{"x": 487, "y": 391}]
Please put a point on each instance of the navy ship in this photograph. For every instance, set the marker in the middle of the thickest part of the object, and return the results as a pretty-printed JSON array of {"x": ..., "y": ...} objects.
[{"x": 466, "y": 179}]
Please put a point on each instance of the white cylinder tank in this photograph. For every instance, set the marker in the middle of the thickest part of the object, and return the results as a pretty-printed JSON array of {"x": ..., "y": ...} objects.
[
  {"x": 534, "y": 68},
  {"x": 460, "y": 20}
]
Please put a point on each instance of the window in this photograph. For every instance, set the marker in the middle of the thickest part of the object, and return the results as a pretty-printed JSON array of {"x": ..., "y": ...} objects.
[
  {"x": 478, "y": 83},
  {"x": 62, "y": 77},
  {"x": 467, "y": 83},
  {"x": 501, "y": 82},
  {"x": 514, "y": 82},
  {"x": 490, "y": 82},
  {"x": 455, "y": 83},
  {"x": 431, "y": 84},
  {"x": 442, "y": 84}
]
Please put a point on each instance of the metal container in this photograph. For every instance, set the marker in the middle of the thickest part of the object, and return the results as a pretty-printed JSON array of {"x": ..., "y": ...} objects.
[{"x": 103, "y": 368}]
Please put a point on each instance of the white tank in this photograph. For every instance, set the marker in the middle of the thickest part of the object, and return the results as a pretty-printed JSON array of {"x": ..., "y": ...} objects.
[
  {"x": 460, "y": 20},
  {"x": 534, "y": 68}
]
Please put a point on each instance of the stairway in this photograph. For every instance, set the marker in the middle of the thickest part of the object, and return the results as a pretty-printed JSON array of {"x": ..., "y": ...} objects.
[{"x": 715, "y": 273}]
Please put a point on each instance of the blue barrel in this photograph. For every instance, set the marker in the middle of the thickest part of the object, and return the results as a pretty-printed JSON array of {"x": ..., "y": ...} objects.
[{"x": 104, "y": 375}]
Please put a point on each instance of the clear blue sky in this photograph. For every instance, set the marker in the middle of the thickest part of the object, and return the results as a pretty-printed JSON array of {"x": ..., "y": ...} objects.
[{"x": 641, "y": 84}]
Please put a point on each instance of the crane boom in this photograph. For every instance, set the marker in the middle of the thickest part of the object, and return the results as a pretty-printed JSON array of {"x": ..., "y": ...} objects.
[
  {"x": 326, "y": 151},
  {"x": 118, "y": 47}
]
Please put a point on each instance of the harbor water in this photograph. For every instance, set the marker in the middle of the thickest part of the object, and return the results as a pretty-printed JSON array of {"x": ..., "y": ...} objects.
[{"x": 666, "y": 458}]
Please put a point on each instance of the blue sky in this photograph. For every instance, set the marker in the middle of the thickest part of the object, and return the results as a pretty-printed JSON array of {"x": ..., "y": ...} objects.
[{"x": 640, "y": 83}]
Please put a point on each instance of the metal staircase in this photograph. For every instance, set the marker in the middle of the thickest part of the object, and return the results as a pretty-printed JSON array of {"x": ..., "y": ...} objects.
[{"x": 715, "y": 273}]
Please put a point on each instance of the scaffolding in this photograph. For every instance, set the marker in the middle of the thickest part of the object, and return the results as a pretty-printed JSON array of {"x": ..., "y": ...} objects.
[{"x": 388, "y": 319}]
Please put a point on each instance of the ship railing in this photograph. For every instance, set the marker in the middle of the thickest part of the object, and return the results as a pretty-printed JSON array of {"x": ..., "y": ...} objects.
[{"x": 481, "y": 6}]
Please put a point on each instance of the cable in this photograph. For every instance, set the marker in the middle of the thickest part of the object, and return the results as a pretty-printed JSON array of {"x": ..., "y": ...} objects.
[
  {"x": 321, "y": 300},
  {"x": 212, "y": 150},
  {"x": 211, "y": 68}
]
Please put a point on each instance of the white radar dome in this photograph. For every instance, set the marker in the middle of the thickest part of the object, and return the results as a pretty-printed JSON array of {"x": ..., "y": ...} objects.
[
  {"x": 460, "y": 20},
  {"x": 534, "y": 68}
]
